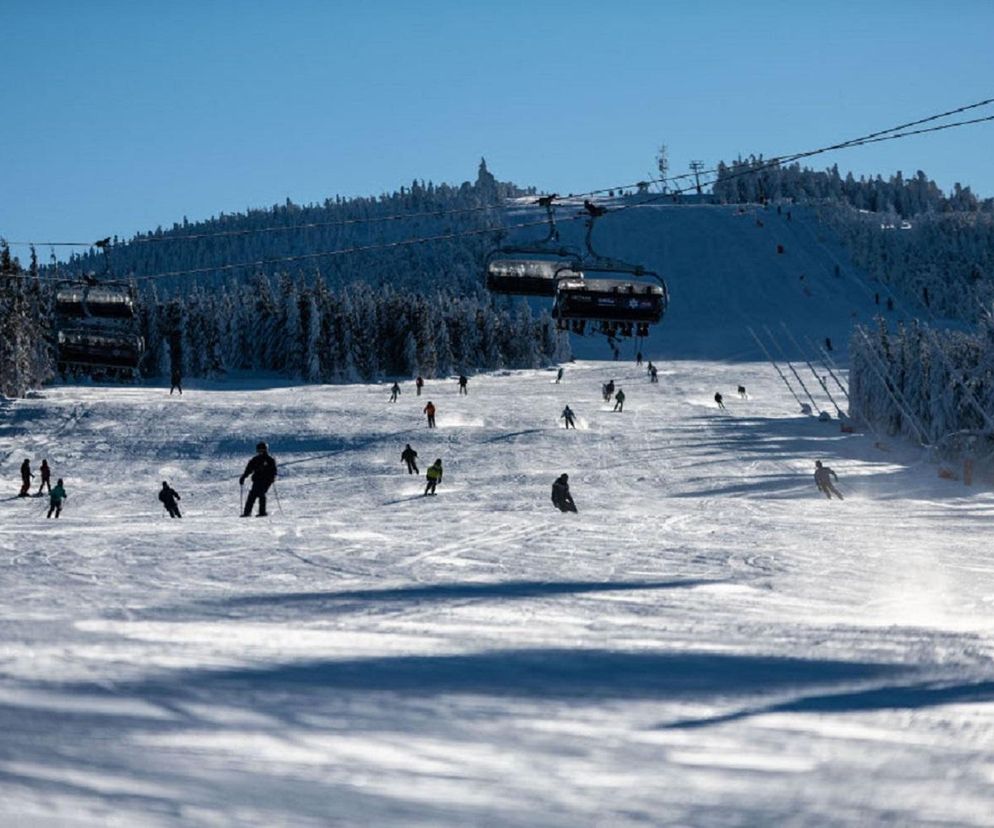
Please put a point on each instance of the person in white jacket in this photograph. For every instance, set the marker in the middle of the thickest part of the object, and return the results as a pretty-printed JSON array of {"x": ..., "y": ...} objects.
[{"x": 823, "y": 480}]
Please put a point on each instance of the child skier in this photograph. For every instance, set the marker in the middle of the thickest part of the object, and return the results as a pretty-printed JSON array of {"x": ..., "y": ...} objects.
[
  {"x": 434, "y": 475},
  {"x": 55, "y": 498}
]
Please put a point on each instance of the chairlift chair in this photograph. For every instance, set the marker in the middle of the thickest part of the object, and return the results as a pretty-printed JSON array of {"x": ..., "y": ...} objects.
[
  {"x": 531, "y": 268},
  {"x": 97, "y": 325},
  {"x": 624, "y": 305}
]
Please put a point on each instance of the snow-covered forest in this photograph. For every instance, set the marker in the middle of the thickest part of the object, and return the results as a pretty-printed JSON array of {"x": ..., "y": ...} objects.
[
  {"x": 266, "y": 241},
  {"x": 304, "y": 330}
]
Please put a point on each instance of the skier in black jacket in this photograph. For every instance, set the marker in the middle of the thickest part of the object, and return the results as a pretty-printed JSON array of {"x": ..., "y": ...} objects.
[
  {"x": 169, "y": 497},
  {"x": 561, "y": 497},
  {"x": 409, "y": 456},
  {"x": 262, "y": 467}
]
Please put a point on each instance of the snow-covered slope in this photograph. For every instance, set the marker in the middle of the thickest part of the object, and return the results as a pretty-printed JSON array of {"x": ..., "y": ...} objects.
[
  {"x": 708, "y": 642},
  {"x": 724, "y": 273}
]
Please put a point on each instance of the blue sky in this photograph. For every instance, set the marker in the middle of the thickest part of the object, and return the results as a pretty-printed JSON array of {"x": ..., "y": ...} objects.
[{"x": 122, "y": 116}]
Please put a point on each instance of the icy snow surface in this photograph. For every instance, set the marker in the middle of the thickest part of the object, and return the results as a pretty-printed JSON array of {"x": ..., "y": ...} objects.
[{"x": 708, "y": 642}]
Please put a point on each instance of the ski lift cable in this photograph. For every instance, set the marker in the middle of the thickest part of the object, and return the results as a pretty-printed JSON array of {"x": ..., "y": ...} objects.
[
  {"x": 870, "y": 138},
  {"x": 873, "y": 138}
]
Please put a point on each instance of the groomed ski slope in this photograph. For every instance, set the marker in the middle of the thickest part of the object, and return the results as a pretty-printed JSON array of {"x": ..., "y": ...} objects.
[{"x": 708, "y": 642}]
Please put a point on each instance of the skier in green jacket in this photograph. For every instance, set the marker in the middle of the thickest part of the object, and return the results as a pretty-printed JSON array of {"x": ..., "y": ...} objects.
[
  {"x": 55, "y": 499},
  {"x": 434, "y": 475}
]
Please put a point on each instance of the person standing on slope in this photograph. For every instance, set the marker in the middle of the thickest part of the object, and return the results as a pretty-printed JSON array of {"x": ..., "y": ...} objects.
[
  {"x": 823, "y": 480},
  {"x": 176, "y": 382},
  {"x": 462, "y": 384},
  {"x": 419, "y": 383},
  {"x": 394, "y": 392},
  {"x": 25, "y": 478},
  {"x": 559, "y": 376},
  {"x": 638, "y": 358},
  {"x": 46, "y": 477},
  {"x": 619, "y": 401},
  {"x": 567, "y": 415},
  {"x": 430, "y": 411},
  {"x": 262, "y": 467},
  {"x": 434, "y": 475},
  {"x": 55, "y": 498},
  {"x": 410, "y": 456},
  {"x": 653, "y": 374},
  {"x": 719, "y": 399},
  {"x": 169, "y": 497},
  {"x": 561, "y": 498}
]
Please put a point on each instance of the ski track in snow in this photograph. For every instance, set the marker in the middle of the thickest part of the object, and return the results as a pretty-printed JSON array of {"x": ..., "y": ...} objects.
[{"x": 708, "y": 642}]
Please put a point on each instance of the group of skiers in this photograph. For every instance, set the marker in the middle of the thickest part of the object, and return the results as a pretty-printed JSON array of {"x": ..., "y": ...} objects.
[
  {"x": 262, "y": 468},
  {"x": 56, "y": 494}
]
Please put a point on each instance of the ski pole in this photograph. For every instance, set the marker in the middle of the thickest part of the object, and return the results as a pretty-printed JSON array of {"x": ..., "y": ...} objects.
[
  {"x": 241, "y": 497},
  {"x": 276, "y": 492}
]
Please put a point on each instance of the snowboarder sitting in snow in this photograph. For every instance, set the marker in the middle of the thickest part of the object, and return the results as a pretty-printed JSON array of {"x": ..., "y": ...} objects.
[
  {"x": 434, "y": 475},
  {"x": 561, "y": 498},
  {"x": 169, "y": 497},
  {"x": 394, "y": 392},
  {"x": 567, "y": 415},
  {"x": 409, "y": 456},
  {"x": 719, "y": 399},
  {"x": 619, "y": 401},
  {"x": 262, "y": 467},
  {"x": 25, "y": 478},
  {"x": 430, "y": 411},
  {"x": 823, "y": 480},
  {"x": 55, "y": 498}
]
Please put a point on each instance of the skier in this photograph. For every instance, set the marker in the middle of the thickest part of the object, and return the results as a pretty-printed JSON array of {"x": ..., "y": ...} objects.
[
  {"x": 169, "y": 497},
  {"x": 638, "y": 358},
  {"x": 653, "y": 374},
  {"x": 890, "y": 303},
  {"x": 462, "y": 384},
  {"x": 419, "y": 383},
  {"x": 46, "y": 477},
  {"x": 561, "y": 498},
  {"x": 823, "y": 480},
  {"x": 409, "y": 456},
  {"x": 619, "y": 401},
  {"x": 649, "y": 366},
  {"x": 828, "y": 343},
  {"x": 718, "y": 399},
  {"x": 567, "y": 415},
  {"x": 742, "y": 392},
  {"x": 394, "y": 392},
  {"x": 176, "y": 382},
  {"x": 559, "y": 375},
  {"x": 430, "y": 411},
  {"x": 25, "y": 478},
  {"x": 55, "y": 498},
  {"x": 434, "y": 475},
  {"x": 262, "y": 467},
  {"x": 608, "y": 390}
]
